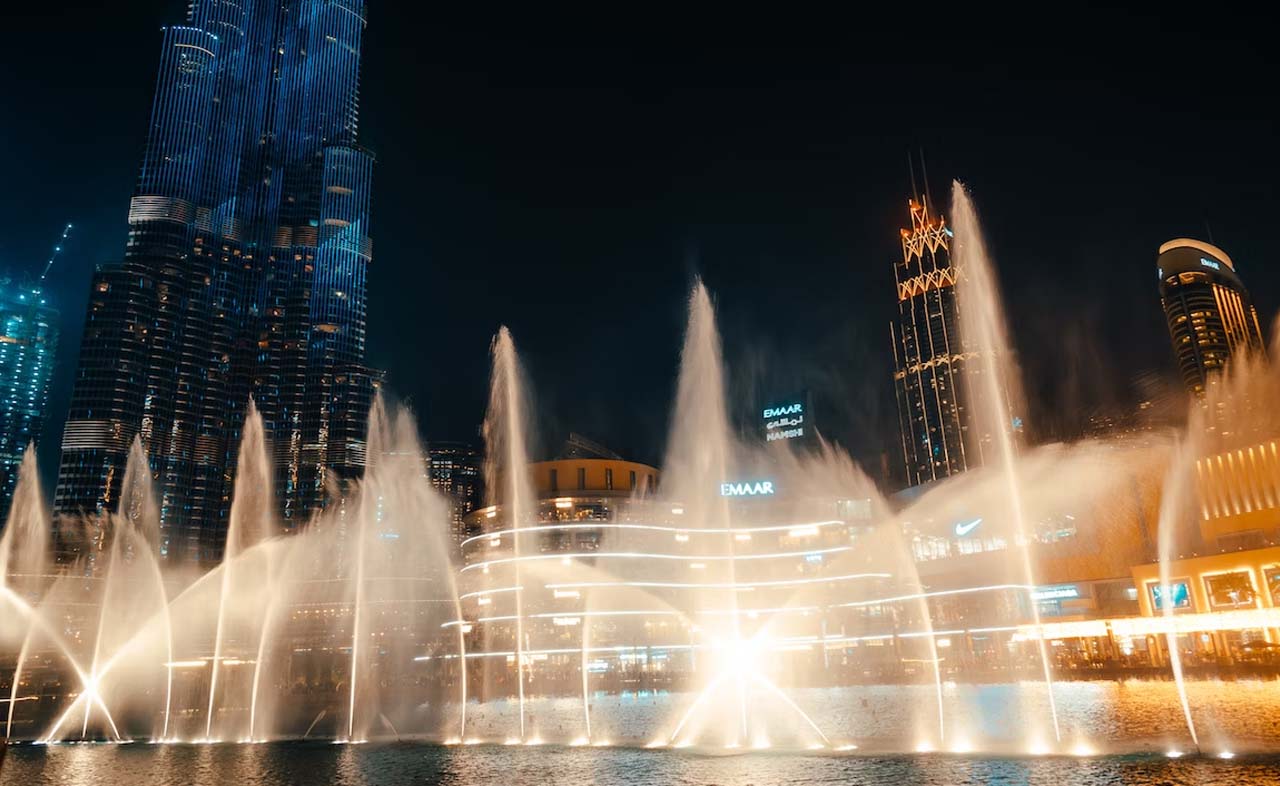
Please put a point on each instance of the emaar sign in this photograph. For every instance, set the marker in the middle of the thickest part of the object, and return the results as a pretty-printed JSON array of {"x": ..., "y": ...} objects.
[
  {"x": 787, "y": 420},
  {"x": 758, "y": 488}
]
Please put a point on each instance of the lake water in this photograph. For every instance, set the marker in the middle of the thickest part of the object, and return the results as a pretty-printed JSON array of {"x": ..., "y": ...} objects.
[
  {"x": 401, "y": 764},
  {"x": 1129, "y": 726}
]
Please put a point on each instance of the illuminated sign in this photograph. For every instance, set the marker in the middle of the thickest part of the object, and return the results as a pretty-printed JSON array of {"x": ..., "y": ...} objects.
[
  {"x": 1210, "y": 263},
  {"x": 787, "y": 419},
  {"x": 1056, "y": 592},
  {"x": 758, "y": 488},
  {"x": 789, "y": 409},
  {"x": 1179, "y": 594},
  {"x": 965, "y": 527}
]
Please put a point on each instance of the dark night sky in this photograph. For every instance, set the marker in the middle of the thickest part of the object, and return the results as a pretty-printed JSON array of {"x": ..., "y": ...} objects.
[{"x": 569, "y": 176}]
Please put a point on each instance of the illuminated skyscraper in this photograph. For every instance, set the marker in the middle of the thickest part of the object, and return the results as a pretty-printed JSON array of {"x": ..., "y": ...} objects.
[
  {"x": 28, "y": 342},
  {"x": 244, "y": 274},
  {"x": 456, "y": 470},
  {"x": 932, "y": 363},
  {"x": 1210, "y": 315}
]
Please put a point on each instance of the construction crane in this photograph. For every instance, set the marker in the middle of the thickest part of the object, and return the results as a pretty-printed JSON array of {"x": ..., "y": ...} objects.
[{"x": 57, "y": 249}]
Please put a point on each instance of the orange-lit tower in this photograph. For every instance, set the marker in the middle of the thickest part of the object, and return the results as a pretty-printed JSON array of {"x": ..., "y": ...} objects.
[{"x": 930, "y": 374}]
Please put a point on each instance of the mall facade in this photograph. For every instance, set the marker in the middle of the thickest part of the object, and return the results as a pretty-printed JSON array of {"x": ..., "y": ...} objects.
[{"x": 616, "y": 580}]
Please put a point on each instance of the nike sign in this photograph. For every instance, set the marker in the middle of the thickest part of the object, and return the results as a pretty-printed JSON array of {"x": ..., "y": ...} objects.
[{"x": 965, "y": 527}]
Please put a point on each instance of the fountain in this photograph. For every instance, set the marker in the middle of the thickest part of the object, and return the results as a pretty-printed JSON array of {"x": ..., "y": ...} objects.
[
  {"x": 982, "y": 323},
  {"x": 506, "y": 459},
  {"x": 762, "y": 596}
]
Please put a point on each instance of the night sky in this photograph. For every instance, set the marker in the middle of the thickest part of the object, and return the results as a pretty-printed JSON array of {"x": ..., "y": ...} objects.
[{"x": 570, "y": 176}]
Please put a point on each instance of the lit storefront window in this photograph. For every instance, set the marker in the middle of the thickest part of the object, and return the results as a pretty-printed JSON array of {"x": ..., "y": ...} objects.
[
  {"x": 1179, "y": 593},
  {"x": 1273, "y": 584},
  {"x": 1230, "y": 590}
]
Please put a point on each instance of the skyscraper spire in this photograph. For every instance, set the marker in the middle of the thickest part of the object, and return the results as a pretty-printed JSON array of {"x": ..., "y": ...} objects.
[
  {"x": 911, "y": 167},
  {"x": 931, "y": 362},
  {"x": 924, "y": 173}
]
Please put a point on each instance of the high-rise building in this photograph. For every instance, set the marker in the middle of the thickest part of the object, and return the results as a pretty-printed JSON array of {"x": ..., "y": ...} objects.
[
  {"x": 456, "y": 470},
  {"x": 932, "y": 364},
  {"x": 28, "y": 343},
  {"x": 1210, "y": 315},
  {"x": 244, "y": 274}
]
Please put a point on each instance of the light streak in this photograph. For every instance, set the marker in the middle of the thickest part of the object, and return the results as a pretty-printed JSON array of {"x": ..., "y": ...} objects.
[
  {"x": 793, "y": 530},
  {"x": 718, "y": 585},
  {"x": 650, "y": 555},
  {"x": 480, "y": 593}
]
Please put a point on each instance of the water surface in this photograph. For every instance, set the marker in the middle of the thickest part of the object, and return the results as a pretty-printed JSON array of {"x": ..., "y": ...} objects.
[{"x": 318, "y": 764}]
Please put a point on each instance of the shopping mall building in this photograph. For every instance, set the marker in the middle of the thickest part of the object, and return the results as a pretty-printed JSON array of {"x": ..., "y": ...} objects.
[{"x": 637, "y": 591}]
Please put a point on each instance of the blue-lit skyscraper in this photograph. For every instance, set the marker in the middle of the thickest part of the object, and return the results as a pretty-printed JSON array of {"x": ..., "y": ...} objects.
[
  {"x": 243, "y": 274},
  {"x": 28, "y": 342}
]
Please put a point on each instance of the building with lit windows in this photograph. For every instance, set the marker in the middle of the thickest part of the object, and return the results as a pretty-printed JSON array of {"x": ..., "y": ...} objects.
[
  {"x": 1210, "y": 315},
  {"x": 28, "y": 343},
  {"x": 456, "y": 470},
  {"x": 635, "y": 589},
  {"x": 649, "y": 586},
  {"x": 932, "y": 362},
  {"x": 243, "y": 274}
]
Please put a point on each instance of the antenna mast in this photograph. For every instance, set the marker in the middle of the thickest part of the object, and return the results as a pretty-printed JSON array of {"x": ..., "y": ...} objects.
[
  {"x": 911, "y": 167},
  {"x": 924, "y": 173}
]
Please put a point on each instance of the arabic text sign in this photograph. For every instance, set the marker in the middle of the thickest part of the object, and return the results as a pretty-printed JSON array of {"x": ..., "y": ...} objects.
[{"x": 786, "y": 420}]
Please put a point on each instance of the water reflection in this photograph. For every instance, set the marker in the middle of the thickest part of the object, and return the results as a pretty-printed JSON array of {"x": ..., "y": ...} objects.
[{"x": 315, "y": 764}]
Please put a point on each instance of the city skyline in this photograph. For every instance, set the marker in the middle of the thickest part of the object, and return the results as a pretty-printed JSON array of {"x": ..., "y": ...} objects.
[
  {"x": 713, "y": 393},
  {"x": 29, "y": 335},
  {"x": 787, "y": 202}
]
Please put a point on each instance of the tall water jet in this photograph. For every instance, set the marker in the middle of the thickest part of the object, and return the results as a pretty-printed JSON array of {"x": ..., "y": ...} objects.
[
  {"x": 506, "y": 478},
  {"x": 586, "y": 695},
  {"x": 698, "y": 446},
  {"x": 250, "y": 521},
  {"x": 1173, "y": 506},
  {"x": 133, "y": 592},
  {"x": 24, "y": 545},
  {"x": 983, "y": 329},
  {"x": 1236, "y": 414},
  {"x": 698, "y": 456},
  {"x": 24, "y": 555},
  {"x": 367, "y": 514},
  {"x": 139, "y": 514}
]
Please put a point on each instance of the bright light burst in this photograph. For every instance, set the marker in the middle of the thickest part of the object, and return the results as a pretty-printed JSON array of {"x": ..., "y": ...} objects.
[
  {"x": 1083, "y": 749},
  {"x": 739, "y": 665}
]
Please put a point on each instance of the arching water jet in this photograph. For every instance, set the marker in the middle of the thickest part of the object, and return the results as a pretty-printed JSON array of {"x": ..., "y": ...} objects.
[{"x": 984, "y": 331}]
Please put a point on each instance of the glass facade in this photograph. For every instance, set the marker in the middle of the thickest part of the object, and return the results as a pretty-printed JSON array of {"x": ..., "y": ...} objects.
[
  {"x": 932, "y": 365},
  {"x": 28, "y": 342},
  {"x": 243, "y": 275}
]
